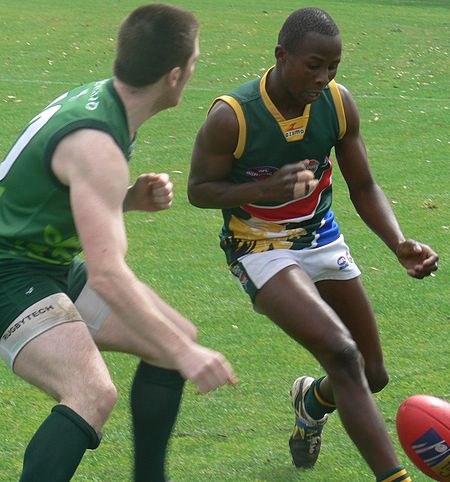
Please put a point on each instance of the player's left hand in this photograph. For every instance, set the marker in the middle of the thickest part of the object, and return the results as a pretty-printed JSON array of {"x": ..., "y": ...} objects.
[
  {"x": 418, "y": 259},
  {"x": 150, "y": 192}
]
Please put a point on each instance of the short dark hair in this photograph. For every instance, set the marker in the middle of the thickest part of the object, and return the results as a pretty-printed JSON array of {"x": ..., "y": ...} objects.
[
  {"x": 152, "y": 40},
  {"x": 303, "y": 21}
]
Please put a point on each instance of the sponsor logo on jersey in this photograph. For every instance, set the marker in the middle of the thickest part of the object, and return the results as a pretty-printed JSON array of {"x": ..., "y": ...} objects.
[
  {"x": 261, "y": 172},
  {"x": 312, "y": 165},
  {"x": 294, "y": 129}
]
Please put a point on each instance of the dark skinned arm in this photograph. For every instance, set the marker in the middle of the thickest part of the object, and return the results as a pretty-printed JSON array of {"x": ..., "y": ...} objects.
[
  {"x": 212, "y": 161},
  {"x": 371, "y": 203}
]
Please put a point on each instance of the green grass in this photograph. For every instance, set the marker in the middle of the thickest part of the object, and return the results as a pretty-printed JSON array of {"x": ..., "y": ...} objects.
[{"x": 396, "y": 64}]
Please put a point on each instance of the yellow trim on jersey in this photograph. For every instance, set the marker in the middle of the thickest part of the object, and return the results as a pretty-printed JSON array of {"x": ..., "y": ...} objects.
[
  {"x": 336, "y": 94},
  {"x": 293, "y": 129},
  {"x": 234, "y": 104}
]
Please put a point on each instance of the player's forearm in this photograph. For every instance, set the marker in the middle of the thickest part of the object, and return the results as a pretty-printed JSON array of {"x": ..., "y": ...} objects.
[
  {"x": 130, "y": 301},
  {"x": 224, "y": 194},
  {"x": 375, "y": 210}
]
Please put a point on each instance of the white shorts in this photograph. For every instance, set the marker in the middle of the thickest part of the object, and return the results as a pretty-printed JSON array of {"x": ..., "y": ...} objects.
[
  {"x": 330, "y": 262},
  {"x": 48, "y": 313}
]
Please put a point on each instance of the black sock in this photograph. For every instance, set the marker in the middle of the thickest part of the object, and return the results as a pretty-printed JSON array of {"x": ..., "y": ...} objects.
[
  {"x": 58, "y": 446},
  {"x": 155, "y": 400}
]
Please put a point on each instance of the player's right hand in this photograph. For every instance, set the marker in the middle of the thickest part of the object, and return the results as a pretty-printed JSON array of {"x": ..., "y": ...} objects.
[
  {"x": 207, "y": 369},
  {"x": 292, "y": 181}
]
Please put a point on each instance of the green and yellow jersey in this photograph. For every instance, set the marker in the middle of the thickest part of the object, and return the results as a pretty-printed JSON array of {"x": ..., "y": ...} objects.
[
  {"x": 36, "y": 222},
  {"x": 266, "y": 142}
]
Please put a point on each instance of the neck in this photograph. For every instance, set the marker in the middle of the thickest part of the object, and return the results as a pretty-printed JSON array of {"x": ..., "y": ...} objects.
[
  {"x": 288, "y": 106},
  {"x": 140, "y": 103}
]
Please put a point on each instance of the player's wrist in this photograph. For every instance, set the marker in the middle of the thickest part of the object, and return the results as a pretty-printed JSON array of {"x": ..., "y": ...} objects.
[
  {"x": 128, "y": 202},
  {"x": 397, "y": 246}
]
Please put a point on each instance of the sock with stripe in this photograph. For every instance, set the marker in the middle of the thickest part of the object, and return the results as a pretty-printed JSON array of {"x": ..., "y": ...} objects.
[
  {"x": 155, "y": 400},
  {"x": 316, "y": 405},
  {"x": 399, "y": 474},
  {"x": 58, "y": 446}
]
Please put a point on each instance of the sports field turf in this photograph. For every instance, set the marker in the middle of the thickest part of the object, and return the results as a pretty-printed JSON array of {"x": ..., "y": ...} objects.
[{"x": 396, "y": 64}]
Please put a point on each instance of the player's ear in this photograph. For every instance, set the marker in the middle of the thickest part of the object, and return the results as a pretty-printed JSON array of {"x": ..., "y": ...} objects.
[
  {"x": 280, "y": 53},
  {"x": 173, "y": 76}
]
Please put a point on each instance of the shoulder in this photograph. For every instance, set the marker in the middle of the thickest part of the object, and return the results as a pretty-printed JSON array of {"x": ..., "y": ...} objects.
[
  {"x": 224, "y": 113},
  {"x": 346, "y": 96},
  {"x": 350, "y": 109}
]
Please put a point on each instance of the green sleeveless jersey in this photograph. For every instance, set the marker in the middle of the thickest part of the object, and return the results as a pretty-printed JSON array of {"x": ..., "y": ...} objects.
[
  {"x": 266, "y": 142},
  {"x": 36, "y": 222}
]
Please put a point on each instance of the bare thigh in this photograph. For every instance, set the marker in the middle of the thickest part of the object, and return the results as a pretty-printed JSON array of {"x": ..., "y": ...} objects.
[
  {"x": 293, "y": 302},
  {"x": 65, "y": 363},
  {"x": 115, "y": 335},
  {"x": 350, "y": 301}
]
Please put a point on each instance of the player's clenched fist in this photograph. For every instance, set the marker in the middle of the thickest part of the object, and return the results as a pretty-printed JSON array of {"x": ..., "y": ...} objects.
[
  {"x": 292, "y": 181},
  {"x": 150, "y": 192},
  {"x": 305, "y": 184},
  {"x": 418, "y": 258},
  {"x": 207, "y": 369}
]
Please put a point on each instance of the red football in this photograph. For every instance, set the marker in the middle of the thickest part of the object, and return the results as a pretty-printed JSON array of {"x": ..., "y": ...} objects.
[{"x": 423, "y": 427}]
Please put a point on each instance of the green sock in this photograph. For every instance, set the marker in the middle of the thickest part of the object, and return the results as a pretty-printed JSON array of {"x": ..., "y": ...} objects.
[
  {"x": 58, "y": 446},
  {"x": 155, "y": 400},
  {"x": 399, "y": 474},
  {"x": 316, "y": 405}
]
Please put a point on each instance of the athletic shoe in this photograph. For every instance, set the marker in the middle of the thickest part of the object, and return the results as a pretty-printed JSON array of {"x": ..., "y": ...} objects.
[{"x": 306, "y": 437}]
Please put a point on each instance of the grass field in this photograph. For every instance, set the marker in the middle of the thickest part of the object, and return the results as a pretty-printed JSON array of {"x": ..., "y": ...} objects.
[{"x": 396, "y": 64}]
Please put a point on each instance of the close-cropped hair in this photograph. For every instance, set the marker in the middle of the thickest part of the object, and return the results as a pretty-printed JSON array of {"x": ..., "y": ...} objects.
[
  {"x": 303, "y": 21},
  {"x": 152, "y": 40}
]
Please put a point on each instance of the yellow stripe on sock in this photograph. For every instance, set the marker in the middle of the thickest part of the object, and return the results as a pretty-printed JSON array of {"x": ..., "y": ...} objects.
[
  {"x": 396, "y": 476},
  {"x": 322, "y": 401}
]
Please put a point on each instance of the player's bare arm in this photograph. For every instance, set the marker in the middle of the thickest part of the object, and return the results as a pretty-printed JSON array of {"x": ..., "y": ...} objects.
[
  {"x": 93, "y": 166},
  {"x": 212, "y": 160},
  {"x": 370, "y": 201}
]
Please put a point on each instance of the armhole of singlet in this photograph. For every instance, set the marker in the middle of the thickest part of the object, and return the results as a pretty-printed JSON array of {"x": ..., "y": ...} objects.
[
  {"x": 337, "y": 99},
  {"x": 242, "y": 137}
]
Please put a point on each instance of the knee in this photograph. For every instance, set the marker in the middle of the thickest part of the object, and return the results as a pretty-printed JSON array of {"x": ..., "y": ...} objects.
[
  {"x": 346, "y": 361},
  {"x": 103, "y": 398},
  {"x": 377, "y": 380}
]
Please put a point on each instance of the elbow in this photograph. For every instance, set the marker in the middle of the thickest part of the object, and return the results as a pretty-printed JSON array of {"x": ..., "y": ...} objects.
[
  {"x": 194, "y": 201},
  {"x": 363, "y": 191},
  {"x": 194, "y": 197},
  {"x": 107, "y": 280},
  {"x": 100, "y": 282}
]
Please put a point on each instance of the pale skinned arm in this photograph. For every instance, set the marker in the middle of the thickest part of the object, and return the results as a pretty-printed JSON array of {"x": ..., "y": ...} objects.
[
  {"x": 92, "y": 165},
  {"x": 212, "y": 161},
  {"x": 371, "y": 203}
]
